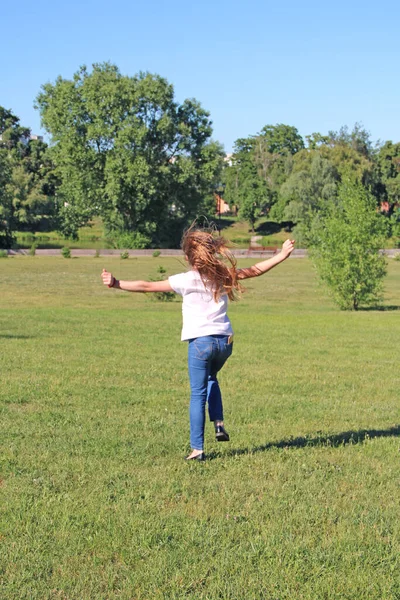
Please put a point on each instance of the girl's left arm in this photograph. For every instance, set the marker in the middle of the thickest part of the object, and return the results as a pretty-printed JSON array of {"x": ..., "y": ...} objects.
[{"x": 135, "y": 286}]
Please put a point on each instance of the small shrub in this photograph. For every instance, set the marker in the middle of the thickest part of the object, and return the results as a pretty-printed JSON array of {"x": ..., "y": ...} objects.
[
  {"x": 32, "y": 250},
  {"x": 346, "y": 248},
  {"x": 124, "y": 255},
  {"x": 3, "y": 254},
  {"x": 28, "y": 238},
  {"x": 241, "y": 240},
  {"x": 131, "y": 240},
  {"x": 97, "y": 253},
  {"x": 66, "y": 252},
  {"x": 162, "y": 296},
  {"x": 397, "y": 257},
  {"x": 156, "y": 253}
]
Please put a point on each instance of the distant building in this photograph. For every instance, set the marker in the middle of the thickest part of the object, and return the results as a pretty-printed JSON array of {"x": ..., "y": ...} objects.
[
  {"x": 228, "y": 158},
  {"x": 388, "y": 208},
  {"x": 222, "y": 207},
  {"x": 26, "y": 139}
]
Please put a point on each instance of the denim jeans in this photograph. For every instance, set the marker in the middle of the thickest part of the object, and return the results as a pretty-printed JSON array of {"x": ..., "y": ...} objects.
[{"x": 206, "y": 356}]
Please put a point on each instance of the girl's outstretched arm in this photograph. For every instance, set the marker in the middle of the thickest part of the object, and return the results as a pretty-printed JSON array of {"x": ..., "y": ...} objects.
[
  {"x": 135, "y": 286},
  {"x": 266, "y": 265}
]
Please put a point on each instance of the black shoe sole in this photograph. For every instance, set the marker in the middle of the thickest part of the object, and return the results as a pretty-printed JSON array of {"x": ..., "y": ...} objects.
[{"x": 220, "y": 434}]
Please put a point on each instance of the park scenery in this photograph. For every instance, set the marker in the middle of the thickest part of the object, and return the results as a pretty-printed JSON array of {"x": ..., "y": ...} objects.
[{"x": 96, "y": 499}]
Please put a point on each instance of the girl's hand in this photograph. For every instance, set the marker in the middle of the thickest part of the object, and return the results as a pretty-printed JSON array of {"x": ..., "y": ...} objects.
[
  {"x": 108, "y": 278},
  {"x": 287, "y": 248}
]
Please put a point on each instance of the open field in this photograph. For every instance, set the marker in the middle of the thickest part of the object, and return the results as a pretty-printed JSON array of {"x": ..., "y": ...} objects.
[{"x": 96, "y": 502}]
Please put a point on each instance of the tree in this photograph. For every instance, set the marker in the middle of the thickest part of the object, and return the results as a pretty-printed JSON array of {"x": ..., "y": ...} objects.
[
  {"x": 6, "y": 225},
  {"x": 244, "y": 186},
  {"x": 30, "y": 185},
  {"x": 345, "y": 248},
  {"x": 13, "y": 135},
  {"x": 388, "y": 160},
  {"x": 127, "y": 151},
  {"x": 311, "y": 186},
  {"x": 281, "y": 139},
  {"x": 359, "y": 139},
  {"x": 259, "y": 166}
]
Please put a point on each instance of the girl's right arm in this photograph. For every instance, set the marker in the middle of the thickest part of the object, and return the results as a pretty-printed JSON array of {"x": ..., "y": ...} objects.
[
  {"x": 135, "y": 286},
  {"x": 266, "y": 265}
]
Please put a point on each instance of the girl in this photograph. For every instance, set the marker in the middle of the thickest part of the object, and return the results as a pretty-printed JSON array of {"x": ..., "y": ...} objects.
[{"x": 205, "y": 288}]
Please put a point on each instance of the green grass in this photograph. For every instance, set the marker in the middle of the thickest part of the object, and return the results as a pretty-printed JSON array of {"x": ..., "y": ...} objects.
[
  {"x": 96, "y": 502},
  {"x": 239, "y": 232},
  {"x": 233, "y": 229},
  {"x": 91, "y": 237}
]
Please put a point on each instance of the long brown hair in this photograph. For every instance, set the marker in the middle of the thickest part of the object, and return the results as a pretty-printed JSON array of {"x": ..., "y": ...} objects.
[{"x": 208, "y": 254}]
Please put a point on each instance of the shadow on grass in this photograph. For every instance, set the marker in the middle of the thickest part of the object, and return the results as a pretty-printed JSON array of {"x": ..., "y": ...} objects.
[
  {"x": 339, "y": 439},
  {"x": 380, "y": 307},
  {"x": 223, "y": 222},
  {"x": 268, "y": 228},
  {"x": 11, "y": 336}
]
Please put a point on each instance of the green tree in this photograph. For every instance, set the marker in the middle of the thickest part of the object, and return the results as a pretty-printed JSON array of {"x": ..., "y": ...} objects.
[
  {"x": 245, "y": 188},
  {"x": 307, "y": 193},
  {"x": 388, "y": 160},
  {"x": 31, "y": 183},
  {"x": 259, "y": 166},
  {"x": 13, "y": 135},
  {"x": 281, "y": 139},
  {"x": 6, "y": 209},
  {"x": 345, "y": 248},
  {"x": 127, "y": 151},
  {"x": 358, "y": 139}
]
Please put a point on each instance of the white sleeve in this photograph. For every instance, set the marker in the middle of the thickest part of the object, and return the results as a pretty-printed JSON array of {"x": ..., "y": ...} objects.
[{"x": 178, "y": 283}]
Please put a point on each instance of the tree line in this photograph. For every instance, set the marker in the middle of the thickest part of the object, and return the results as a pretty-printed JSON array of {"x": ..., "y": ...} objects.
[
  {"x": 295, "y": 181},
  {"x": 123, "y": 149}
]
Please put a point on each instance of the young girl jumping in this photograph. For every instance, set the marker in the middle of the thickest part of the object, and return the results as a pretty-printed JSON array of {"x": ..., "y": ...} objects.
[{"x": 212, "y": 279}]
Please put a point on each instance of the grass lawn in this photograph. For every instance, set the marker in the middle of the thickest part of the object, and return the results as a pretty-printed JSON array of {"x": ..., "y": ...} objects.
[
  {"x": 96, "y": 502},
  {"x": 91, "y": 237}
]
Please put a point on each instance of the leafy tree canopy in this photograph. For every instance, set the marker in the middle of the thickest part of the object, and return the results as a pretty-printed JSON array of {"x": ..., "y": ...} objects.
[{"x": 127, "y": 151}]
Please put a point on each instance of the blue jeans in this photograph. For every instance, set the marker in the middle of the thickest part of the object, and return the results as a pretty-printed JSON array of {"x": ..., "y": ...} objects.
[{"x": 206, "y": 356}]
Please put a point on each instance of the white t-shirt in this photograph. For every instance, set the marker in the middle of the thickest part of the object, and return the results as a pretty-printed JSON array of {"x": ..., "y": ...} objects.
[{"x": 201, "y": 314}]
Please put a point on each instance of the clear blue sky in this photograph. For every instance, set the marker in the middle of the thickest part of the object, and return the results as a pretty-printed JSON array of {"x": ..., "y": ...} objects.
[{"x": 312, "y": 64}]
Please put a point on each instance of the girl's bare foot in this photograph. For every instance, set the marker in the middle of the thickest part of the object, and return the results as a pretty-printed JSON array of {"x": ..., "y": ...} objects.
[{"x": 196, "y": 455}]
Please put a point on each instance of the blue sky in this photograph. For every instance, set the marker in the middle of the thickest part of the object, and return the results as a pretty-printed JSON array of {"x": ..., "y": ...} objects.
[{"x": 310, "y": 64}]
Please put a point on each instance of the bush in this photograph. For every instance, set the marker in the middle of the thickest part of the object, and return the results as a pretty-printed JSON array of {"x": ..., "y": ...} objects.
[
  {"x": 241, "y": 240},
  {"x": 397, "y": 257},
  {"x": 3, "y": 254},
  {"x": 156, "y": 253},
  {"x": 32, "y": 250},
  {"x": 345, "y": 247},
  {"x": 28, "y": 238},
  {"x": 124, "y": 255},
  {"x": 66, "y": 252},
  {"x": 161, "y": 296},
  {"x": 97, "y": 253},
  {"x": 132, "y": 241}
]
